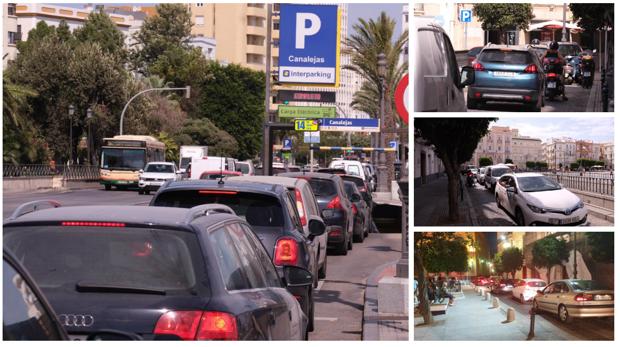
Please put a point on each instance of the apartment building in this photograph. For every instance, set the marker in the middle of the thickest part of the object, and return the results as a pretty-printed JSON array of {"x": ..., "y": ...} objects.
[{"x": 12, "y": 32}]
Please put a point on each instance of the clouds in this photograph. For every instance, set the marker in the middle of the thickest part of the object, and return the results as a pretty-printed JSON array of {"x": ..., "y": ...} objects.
[{"x": 597, "y": 129}]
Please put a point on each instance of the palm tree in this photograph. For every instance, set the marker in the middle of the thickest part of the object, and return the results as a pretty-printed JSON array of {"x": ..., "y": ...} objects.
[{"x": 14, "y": 102}]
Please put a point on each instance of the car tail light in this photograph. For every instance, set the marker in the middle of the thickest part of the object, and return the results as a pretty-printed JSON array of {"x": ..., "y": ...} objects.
[
  {"x": 334, "y": 204},
  {"x": 216, "y": 192},
  {"x": 300, "y": 207},
  {"x": 286, "y": 252},
  {"x": 354, "y": 209},
  {"x": 477, "y": 95},
  {"x": 93, "y": 224},
  {"x": 477, "y": 66},
  {"x": 197, "y": 325},
  {"x": 527, "y": 98},
  {"x": 552, "y": 75},
  {"x": 531, "y": 69},
  {"x": 335, "y": 232},
  {"x": 584, "y": 297}
]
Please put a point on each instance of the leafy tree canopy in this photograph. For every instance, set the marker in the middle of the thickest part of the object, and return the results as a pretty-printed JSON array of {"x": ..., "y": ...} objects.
[
  {"x": 485, "y": 161},
  {"x": 442, "y": 251},
  {"x": 101, "y": 29},
  {"x": 512, "y": 260},
  {"x": 601, "y": 246},
  {"x": 593, "y": 16},
  {"x": 504, "y": 16}
]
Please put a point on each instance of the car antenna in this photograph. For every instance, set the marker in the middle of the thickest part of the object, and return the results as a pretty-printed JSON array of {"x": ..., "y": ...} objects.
[{"x": 221, "y": 181}]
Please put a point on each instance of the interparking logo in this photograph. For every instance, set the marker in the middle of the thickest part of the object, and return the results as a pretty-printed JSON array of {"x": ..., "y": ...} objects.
[{"x": 286, "y": 73}]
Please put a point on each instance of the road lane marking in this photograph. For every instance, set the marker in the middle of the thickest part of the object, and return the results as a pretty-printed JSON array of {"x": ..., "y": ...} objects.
[
  {"x": 319, "y": 286},
  {"x": 329, "y": 319}
]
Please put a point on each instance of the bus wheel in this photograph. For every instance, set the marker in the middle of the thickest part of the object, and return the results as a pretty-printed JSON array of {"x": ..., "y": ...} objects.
[{"x": 107, "y": 186}]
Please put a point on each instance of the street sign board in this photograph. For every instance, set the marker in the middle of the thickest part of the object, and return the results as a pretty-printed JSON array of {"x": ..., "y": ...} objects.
[
  {"x": 306, "y": 96},
  {"x": 465, "y": 16},
  {"x": 309, "y": 44},
  {"x": 287, "y": 144},
  {"x": 286, "y": 111},
  {"x": 401, "y": 98},
  {"x": 312, "y": 137},
  {"x": 306, "y": 124},
  {"x": 350, "y": 124},
  {"x": 393, "y": 144}
]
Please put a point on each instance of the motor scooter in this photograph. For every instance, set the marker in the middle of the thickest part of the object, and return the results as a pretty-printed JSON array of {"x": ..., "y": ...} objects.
[{"x": 554, "y": 84}]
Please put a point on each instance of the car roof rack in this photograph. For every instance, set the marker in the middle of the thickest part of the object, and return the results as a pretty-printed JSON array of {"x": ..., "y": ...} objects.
[
  {"x": 205, "y": 210},
  {"x": 33, "y": 206}
]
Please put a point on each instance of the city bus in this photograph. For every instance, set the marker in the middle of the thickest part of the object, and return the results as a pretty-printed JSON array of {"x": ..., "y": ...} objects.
[{"x": 123, "y": 156}]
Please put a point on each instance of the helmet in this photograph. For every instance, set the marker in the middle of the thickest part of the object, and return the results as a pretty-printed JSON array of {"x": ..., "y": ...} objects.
[
  {"x": 554, "y": 45},
  {"x": 535, "y": 41}
]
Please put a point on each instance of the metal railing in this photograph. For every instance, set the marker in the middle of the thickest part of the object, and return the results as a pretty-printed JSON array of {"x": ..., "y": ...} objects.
[
  {"x": 598, "y": 185},
  {"x": 69, "y": 173}
]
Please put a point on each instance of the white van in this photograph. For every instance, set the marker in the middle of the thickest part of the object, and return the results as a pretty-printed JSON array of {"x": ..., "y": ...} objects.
[
  {"x": 187, "y": 153},
  {"x": 200, "y": 165},
  {"x": 352, "y": 167}
]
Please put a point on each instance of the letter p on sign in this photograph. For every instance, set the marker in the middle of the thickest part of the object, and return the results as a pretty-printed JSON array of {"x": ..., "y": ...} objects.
[{"x": 300, "y": 28}]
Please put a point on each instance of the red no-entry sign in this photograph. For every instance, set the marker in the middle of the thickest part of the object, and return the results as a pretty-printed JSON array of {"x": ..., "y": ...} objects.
[{"x": 400, "y": 98}]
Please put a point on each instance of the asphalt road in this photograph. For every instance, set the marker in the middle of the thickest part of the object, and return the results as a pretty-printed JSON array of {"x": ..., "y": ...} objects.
[
  {"x": 585, "y": 328},
  {"x": 489, "y": 214}
]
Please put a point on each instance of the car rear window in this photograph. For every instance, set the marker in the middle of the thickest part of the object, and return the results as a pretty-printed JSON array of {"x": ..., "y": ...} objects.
[
  {"x": 506, "y": 57},
  {"x": 586, "y": 285},
  {"x": 244, "y": 168},
  {"x": 358, "y": 181},
  {"x": 61, "y": 257},
  {"x": 536, "y": 283},
  {"x": 499, "y": 171},
  {"x": 257, "y": 209},
  {"x": 321, "y": 187}
]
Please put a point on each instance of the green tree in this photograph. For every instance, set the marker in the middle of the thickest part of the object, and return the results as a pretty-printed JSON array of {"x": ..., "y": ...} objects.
[
  {"x": 99, "y": 28},
  {"x": 454, "y": 141},
  {"x": 508, "y": 161},
  {"x": 497, "y": 263},
  {"x": 233, "y": 99},
  {"x": 512, "y": 260},
  {"x": 592, "y": 16},
  {"x": 601, "y": 246},
  {"x": 548, "y": 252},
  {"x": 485, "y": 161},
  {"x": 504, "y": 17},
  {"x": 203, "y": 132},
  {"x": 172, "y": 149},
  {"x": 35, "y": 35}
]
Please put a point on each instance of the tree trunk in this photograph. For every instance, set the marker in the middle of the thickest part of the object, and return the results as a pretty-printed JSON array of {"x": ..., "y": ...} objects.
[
  {"x": 390, "y": 157},
  {"x": 453, "y": 195},
  {"x": 513, "y": 274},
  {"x": 424, "y": 306},
  {"x": 549, "y": 274}
]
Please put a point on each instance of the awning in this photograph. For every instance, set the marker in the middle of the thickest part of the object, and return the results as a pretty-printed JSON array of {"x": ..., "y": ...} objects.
[{"x": 553, "y": 25}]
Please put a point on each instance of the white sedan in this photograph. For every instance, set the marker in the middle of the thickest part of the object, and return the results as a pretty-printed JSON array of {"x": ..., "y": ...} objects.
[
  {"x": 534, "y": 199},
  {"x": 526, "y": 289}
]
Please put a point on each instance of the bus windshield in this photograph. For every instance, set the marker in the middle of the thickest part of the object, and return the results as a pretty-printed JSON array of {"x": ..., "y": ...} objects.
[{"x": 123, "y": 158}]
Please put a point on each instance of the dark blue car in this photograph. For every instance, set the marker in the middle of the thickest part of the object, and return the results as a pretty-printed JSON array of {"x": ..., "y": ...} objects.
[{"x": 507, "y": 74}]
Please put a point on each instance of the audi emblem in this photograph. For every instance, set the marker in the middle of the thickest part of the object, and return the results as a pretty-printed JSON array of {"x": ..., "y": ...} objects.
[{"x": 76, "y": 320}]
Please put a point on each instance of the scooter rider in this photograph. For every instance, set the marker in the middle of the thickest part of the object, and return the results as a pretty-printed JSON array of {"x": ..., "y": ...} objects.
[{"x": 553, "y": 52}]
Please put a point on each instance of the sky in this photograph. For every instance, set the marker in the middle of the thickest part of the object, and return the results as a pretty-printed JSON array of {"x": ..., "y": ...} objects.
[{"x": 597, "y": 129}]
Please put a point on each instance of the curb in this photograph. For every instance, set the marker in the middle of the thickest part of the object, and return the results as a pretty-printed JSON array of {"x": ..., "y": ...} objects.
[
  {"x": 370, "y": 328},
  {"x": 605, "y": 216},
  {"x": 473, "y": 217}
]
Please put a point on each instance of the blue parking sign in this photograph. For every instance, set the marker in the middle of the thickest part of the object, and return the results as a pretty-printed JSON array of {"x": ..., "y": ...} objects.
[
  {"x": 309, "y": 44},
  {"x": 287, "y": 143},
  {"x": 465, "y": 16}
]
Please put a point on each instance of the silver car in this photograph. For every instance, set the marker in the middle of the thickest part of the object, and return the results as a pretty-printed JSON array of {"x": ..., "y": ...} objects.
[
  {"x": 481, "y": 173},
  {"x": 574, "y": 298},
  {"x": 493, "y": 173}
]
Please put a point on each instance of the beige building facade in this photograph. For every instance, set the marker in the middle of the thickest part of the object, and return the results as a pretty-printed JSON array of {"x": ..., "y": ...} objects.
[
  {"x": 497, "y": 145},
  {"x": 12, "y": 33}
]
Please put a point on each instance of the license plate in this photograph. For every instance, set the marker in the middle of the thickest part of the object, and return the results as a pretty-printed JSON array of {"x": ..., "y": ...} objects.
[
  {"x": 122, "y": 182},
  {"x": 587, "y": 74},
  {"x": 558, "y": 221},
  {"x": 551, "y": 85},
  {"x": 602, "y": 297},
  {"x": 504, "y": 74}
]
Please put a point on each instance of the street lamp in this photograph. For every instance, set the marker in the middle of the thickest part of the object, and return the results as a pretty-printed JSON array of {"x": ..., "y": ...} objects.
[
  {"x": 89, "y": 116},
  {"x": 382, "y": 174},
  {"x": 187, "y": 95},
  {"x": 71, "y": 112}
]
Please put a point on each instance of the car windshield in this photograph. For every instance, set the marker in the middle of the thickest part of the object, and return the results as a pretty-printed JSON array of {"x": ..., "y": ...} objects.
[
  {"x": 118, "y": 257},
  {"x": 537, "y": 184},
  {"x": 506, "y": 57},
  {"x": 349, "y": 188},
  {"x": 321, "y": 187},
  {"x": 159, "y": 168},
  {"x": 185, "y": 161},
  {"x": 244, "y": 168},
  {"x": 497, "y": 172},
  {"x": 257, "y": 209},
  {"x": 118, "y": 158},
  {"x": 572, "y": 50},
  {"x": 586, "y": 285}
]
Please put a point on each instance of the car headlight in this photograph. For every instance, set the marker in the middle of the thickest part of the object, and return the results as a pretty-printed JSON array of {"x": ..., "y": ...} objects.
[
  {"x": 580, "y": 204},
  {"x": 536, "y": 209}
]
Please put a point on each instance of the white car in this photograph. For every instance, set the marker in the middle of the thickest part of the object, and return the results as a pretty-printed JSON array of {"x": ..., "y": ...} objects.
[
  {"x": 526, "y": 289},
  {"x": 155, "y": 174},
  {"x": 534, "y": 199},
  {"x": 352, "y": 167},
  {"x": 481, "y": 173}
]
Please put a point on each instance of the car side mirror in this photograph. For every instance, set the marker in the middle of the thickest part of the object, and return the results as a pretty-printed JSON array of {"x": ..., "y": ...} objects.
[
  {"x": 297, "y": 277},
  {"x": 316, "y": 227},
  {"x": 113, "y": 335},
  {"x": 355, "y": 197},
  {"x": 141, "y": 171},
  {"x": 468, "y": 76},
  {"x": 328, "y": 214}
]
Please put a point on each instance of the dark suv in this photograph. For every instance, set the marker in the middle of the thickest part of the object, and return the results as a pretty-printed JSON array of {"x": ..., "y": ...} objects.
[
  {"x": 161, "y": 273},
  {"x": 335, "y": 206},
  {"x": 272, "y": 213}
]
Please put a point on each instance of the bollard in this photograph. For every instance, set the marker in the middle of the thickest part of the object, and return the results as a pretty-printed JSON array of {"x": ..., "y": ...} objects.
[
  {"x": 479, "y": 290},
  {"x": 531, "y": 335},
  {"x": 495, "y": 302},
  {"x": 510, "y": 315},
  {"x": 488, "y": 297}
]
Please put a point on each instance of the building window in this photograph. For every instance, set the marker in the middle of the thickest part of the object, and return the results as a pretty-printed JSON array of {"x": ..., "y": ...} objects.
[
  {"x": 254, "y": 58},
  {"x": 11, "y": 10},
  {"x": 276, "y": 7},
  {"x": 276, "y": 25},
  {"x": 200, "y": 20},
  {"x": 12, "y": 38},
  {"x": 257, "y": 5},
  {"x": 199, "y": 4},
  {"x": 255, "y": 40},
  {"x": 256, "y": 21}
]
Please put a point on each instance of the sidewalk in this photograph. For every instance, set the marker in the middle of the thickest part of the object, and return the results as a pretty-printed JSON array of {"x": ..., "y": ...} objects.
[
  {"x": 379, "y": 325},
  {"x": 474, "y": 319},
  {"x": 431, "y": 205},
  {"x": 595, "y": 100}
]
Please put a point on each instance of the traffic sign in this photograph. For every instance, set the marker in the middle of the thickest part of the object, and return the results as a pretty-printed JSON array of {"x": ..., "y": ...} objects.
[
  {"x": 309, "y": 44},
  {"x": 393, "y": 144},
  {"x": 312, "y": 137},
  {"x": 350, "y": 124},
  {"x": 401, "y": 98},
  {"x": 306, "y": 124},
  {"x": 286, "y": 111},
  {"x": 465, "y": 16},
  {"x": 306, "y": 96},
  {"x": 287, "y": 144}
]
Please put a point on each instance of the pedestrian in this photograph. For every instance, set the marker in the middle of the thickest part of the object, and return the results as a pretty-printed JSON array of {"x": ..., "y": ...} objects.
[{"x": 442, "y": 285}]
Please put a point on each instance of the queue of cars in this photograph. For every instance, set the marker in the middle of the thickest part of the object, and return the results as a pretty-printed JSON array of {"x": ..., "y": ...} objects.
[{"x": 234, "y": 258}]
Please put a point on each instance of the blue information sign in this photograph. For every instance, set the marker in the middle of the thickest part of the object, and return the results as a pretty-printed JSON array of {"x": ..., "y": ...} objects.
[
  {"x": 350, "y": 124},
  {"x": 465, "y": 16},
  {"x": 287, "y": 143},
  {"x": 309, "y": 44}
]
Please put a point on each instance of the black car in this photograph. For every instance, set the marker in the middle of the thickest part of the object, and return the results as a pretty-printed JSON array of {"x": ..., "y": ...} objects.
[
  {"x": 272, "y": 213},
  {"x": 161, "y": 273},
  {"x": 335, "y": 206},
  {"x": 361, "y": 212}
]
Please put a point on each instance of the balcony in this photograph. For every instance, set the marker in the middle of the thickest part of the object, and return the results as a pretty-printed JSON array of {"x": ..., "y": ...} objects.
[
  {"x": 252, "y": 10},
  {"x": 258, "y": 31},
  {"x": 256, "y": 49}
]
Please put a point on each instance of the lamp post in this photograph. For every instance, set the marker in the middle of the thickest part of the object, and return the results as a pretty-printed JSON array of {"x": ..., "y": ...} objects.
[
  {"x": 187, "y": 95},
  {"x": 381, "y": 168},
  {"x": 71, "y": 112},
  {"x": 89, "y": 116}
]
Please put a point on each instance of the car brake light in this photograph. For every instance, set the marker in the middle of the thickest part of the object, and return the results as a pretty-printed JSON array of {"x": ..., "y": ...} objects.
[
  {"x": 300, "y": 207},
  {"x": 335, "y": 232},
  {"x": 477, "y": 66},
  {"x": 217, "y": 192},
  {"x": 477, "y": 95},
  {"x": 552, "y": 75},
  {"x": 334, "y": 204},
  {"x": 93, "y": 224},
  {"x": 584, "y": 297},
  {"x": 527, "y": 98},
  {"x": 531, "y": 69},
  {"x": 354, "y": 209},
  {"x": 286, "y": 252},
  {"x": 197, "y": 325}
]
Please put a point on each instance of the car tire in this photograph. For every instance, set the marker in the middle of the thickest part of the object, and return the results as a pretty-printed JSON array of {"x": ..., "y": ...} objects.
[
  {"x": 147, "y": 192},
  {"x": 311, "y": 311},
  {"x": 535, "y": 108},
  {"x": 563, "y": 314},
  {"x": 107, "y": 187},
  {"x": 344, "y": 248},
  {"x": 519, "y": 217},
  {"x": 140, "y": 192},
  {"x": 350, "y": 245},
  {"x": 323, "y": 270}
]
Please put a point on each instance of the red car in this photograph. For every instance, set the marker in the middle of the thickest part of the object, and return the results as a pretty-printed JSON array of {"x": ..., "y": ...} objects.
[{"x": 481, "y": 281}]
